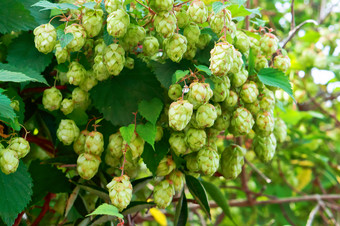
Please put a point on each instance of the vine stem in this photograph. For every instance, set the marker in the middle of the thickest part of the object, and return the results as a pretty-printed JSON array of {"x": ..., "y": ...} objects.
[
  {"x": 247, "y": 22},
  {"x": 40, "y": 89},
  {"x": 147, "y": 7},
  {"x": 44, "y": 209}
]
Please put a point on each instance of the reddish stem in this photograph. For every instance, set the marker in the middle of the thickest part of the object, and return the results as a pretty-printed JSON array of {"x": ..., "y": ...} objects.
[
  {"x": 44, "y": 209},
  {"x": 47, "y": 145},
  {"x": 40, "y": 89},
  {"x": 18, "y": 220}
]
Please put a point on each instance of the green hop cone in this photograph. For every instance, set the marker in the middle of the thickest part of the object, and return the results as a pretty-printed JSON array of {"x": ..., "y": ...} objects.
[
  {"x": 9, "y": 161},
  {"x": 159, "y": 133},
  {"x": 242, "y": 122},
  {"x": 237, "y": 62},
  {"x": 131, "y": 167},
  {"x": 163, "y": 193},
  {"x": 80, "y": 98},
  {"x": 165, "y": 166},
  {"x": 269, "y": 43},
  {"x": 199, "y": 93},
  {"x": 267, "y": 100},
  {"x": 218, "y": 109},
  {"x": 282, "y": 63},
  {"x": 150, "y": 46},
  {"x": 182, "y": 18},
  {"x": 217, "y": 21},
  {"x": 177, "y": 143},
  {"x": 114, "y": 59},
  {"x": 180, "y": 113},
  {"x": 175, "y": 91},
  {"x": 67, "y": 131},
  {"x": 242, "y": 42},
  {"x": 15, "y": 105},
  {"x": 261, "y": 62},
  {"x": 191, "y": 52},
  {"x": 254, "y": 107},
  {"x": 165, "y": 24},
  {"x": 94, "y": 143},
  {"x": 208, "y": 160},
  {"x": 255, "y": 46},
  {"x": 221, "y": 90},
  {"x": 238, "y": 79},
  {"x": 100, "y": 71},
  {"x": 111, "y": 160},
  {"x": 20, "y": 146},
  {"x": 45, "y": 38},
  {"x": 195, "y": 138},
  {"x": 222, "y": 122},
  {"x": 79, "y": 143},
  {"x": 129, "y": 63},
  {"x": 178, "y": 179},
  {"x": 117, "y": 23},
  {"x": 120, "y": 192},
  {"x": 79, "y": 37},
  {"x": 264, "y": 147},
  {"x": 136, "y": 145},
  {"x": 61, "y": 54},
  {"x": 113, "y": 5},
  {"x": 249, "y": 92},
  {"x": 87, "y": 165},
  {"x": 89, "y": 81},
  {"x": 230, "y": 102},
  {"x": 115, "y": 146},
  {"x": 133, "y": 36},
  {"x": 92, "y": 21},
  {"x": 67, "y": 106},
  {"x": 198, "y": 12},
  {"x": 280, "y": 130},
  {"x": 99, "y": 47},
  {"x": 192, "y": 33},
  {"x": 232, "y": 160},
  {"x": 88, "y": 47},
  {"x": 175, "y": 47},
  {"x": 203, "y": 41},
  {"x": 206, "y": 115},
  {"x": 161, "y": 5},
  {"x": 192, "y": 162},
  {"x": 52, "y": 98},
  {"x": 264, "y": 123},
  {"x": 76, "y": 73},
  {"x": 221, "y": 59}
]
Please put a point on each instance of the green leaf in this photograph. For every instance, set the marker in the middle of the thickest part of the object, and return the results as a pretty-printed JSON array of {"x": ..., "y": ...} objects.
[
  {"x": 90, "y": 5},
  {"x": 211, "y": 83},
  {"x": 204, "y": 68},
  {"x": 251, "y": 62},
  {"x": 46, "y": 5},
  {"x": 151, "y": 109},
  {"x": 98, "y": 191},
  {"x": 127, "y": 132},
  {"x": 11, "y": 76},
  {"x": 108, "y": 39},
  {"x": 178, "y": 75},
  {"x": 64, "y": 38},
  {"x": 106, "y": 209},
  {"x": 218, "y": 197},
  {"x": 16, "y": 192},
  {"x": 39, "y": 17},
  {"x": 197, "y": 190},
  {"x": 276, "y": 78},
  {"x": 6, "y": 111},
  {"x": 79, "y": 116},
  {"x": 21, "y": 72},
  {"x": 147, "y": 132},
  {"x": 218, "y": 6},
  {"x": 152, "y": 157},
  {"x": 238, "y": 2},
  {"x": 140, "y": 183},
  {"x": 137, "y": 206},
  {"x": 258, "y": 22},
  {"x": 181, "y": 216},
  {"x": 15, "y": 17},
  {"x": 13, "y": 95},
  {"x": 253, "y": 35},
  {"x": 241, "y": 11}
]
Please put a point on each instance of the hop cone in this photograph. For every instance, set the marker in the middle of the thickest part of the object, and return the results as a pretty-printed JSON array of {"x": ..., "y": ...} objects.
[
  {"x": 242, "y": 42},
  {"x": 222, "y": 122},
  {"x": 195, "y": 138},
  {"x": 264, "y": 147},
  {"x": 180, "y": 113},
  {"x": 94, "y": 143},
  {"x": 282, "y": 63},
  {"x": 238, "y": 79},
  {"x": 237, "y": 62},
  {"x": 150, "y": 46},
  {"x": 131, "y": 167},
  {"x": 92, "y": 21},
  {"x": 52, "y": 98},
  {"x": 67, "y": 131},
  {"x": 20, "y": 146},
  {"x": 221, "y": 90},
  {"x": 249, "y": 92},
  {"x": 254, "y": 107},
  {"x": 79, "y": 37},
  {"x": 15, "y": 105},
  {"x": 203, "y": 40},
  {"x": 218, "y": 109},
  {"x": 163, "y": 193},
  {"x": 198, "y": 12},
  {"x": 191, "y": 51},
  {"x": 192, "y": 33},
  {"x": 178, "y": 179},
  {"x": 267, "y": 100},
  {"x": 115, "y": 146},
  {"x": 175, "y": 91},
  {"x": 133, "y": 36},
  {"x": 76, "y": 73},
  {"x": 264, "y": 123},
  {"x": 79, "y": 143},
  {"x": 192, "y": 162},
  {"x": 61, "y": 54},
  {"x": 199, "y": 93},
  {"x": 255, "y": 46},
  {"x": 280, "y": 130},
  {"x": 242, "y": 121},
  {"x": 120, "y": 192},
  {"x": 99, "y": 47},
  {"x": 269, "y": 44},
  {"x": 217, "y": 21},
  {"x": 111, "y": 160},
  {"x": 261, "y": 62},
  {"x": 67, "y": 106},
  {"x": 166, "y": 166},
  {"x": 182, "y": 18},
  {"x": 159, "y": 133},
  {"x": 9, "y": 161},
  {"x": 80, "y": 98},
  {"x": 175, "y": 47},
  {"x": 89, "y": 81},
  {"x": 161, "y": 5},
  {"x": 232, "y": 160},
  {"x": 136, "y": 145},
  {"x": 221, "y": 59},
  {"x": 45, "y": 38},
  {"x": 208, "y": 161},
  {"x": 100, "y": 71},
  {"x": 206, "y": 115},
  {"x": 117, "y": 23},
  {"x": 231, "y": 101},
  {"x": 165, "y": 24},
  {"x": 87, "y": 165},
  {"x": 177, "y": 143},
  {"x": 129, "y": 63},
  {"x": 113, "y": 5},
  {"x": 114, "y": 59}
]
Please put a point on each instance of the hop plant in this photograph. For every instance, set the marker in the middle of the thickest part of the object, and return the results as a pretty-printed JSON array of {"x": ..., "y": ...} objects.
[
  {"x": 175, "y": 91},
  {"x": 203, "y": 40},
  {"x": 261, "y": 62},
  {"x": 192, "y": 33},
  {"x": 67, "y": 106},
  {"x": 199, "y": 93},
  {"x": 133, "y": 36},
  {"x": 238, "y": 79},
  {"x": 113, "y": 5},
  {"x": 79, "y": 37},
  {"x": 206, "y": 115},
  {"x": 242, "y": 121},
  {"x": 221, "y": 59},
  {"x": 163, "y": 193},
  {"x": 161, "y": 5},
  {"x": 182, "y": 18},
  {"x": 89, "y": 81},
  {"x": 178, "y": 179},
  {"x": 9, "y": 161},
  {"x": 114, "y": 59},
  {"x": 94, "y": 143},
  {"x": 237, "y": 62},
  {"x": 264, "y": 123},
  {"x": 208, "y": 160},
  {"x": 87, "y": 165},
  {"x": 136, "y": 145},
  {"x": 120, "y": 192},
  {"x": 282, "y": 63},
  {"x": 92, "y": 21},
  {"x": 242, "y": 42},
  {"x": 195, "y": 138},
  {"x": 165, "y": 24},
  {"x": 232, "y": 160},
  {"x": 45, "y": 38},
  {"x": 217, "y": 20},
  {"x": 115, "y": 146},
  {"x": 150, "y": 46},
  {"x": 180, "y": 113},
  {"x": 198, "y": 12},
  {"x": 264, "y": 147},
  {"x": 255, "y": 46},
  {"x": 111, "y": 160},
  {"x": 222, "y": 122},
  {"x": 52, "y": 98},
  {"x": 61, "y": 54},
  {"x": 15, "y": 105},
  {"x": 249, "y": 92},
  {"x": 192, "y": 162},
  {"x": 221, "y": 90},
  {"x": 269, "y": 43},
  {"x": 67, "y": 131},
  {"x": 267, "y": 100},
  {"x": 191, "y": 51},
  {"x": 166, "y": 166},
  {"x": 76, "y": 73},
  {"x": 175, "y": 47},
  {"x": 177, "y": 143},
  {"x": 159, "y": 133},
  {"x": 80, "y": 98},
  {"x": 254, "y": 107},
  {"x": 99, "y": 69},
  {"x": 20, "y": 146},
  {"x": 99, "y": 47},
  {"x": 117, "y": 23},
  {"x": 280, "y": 130},
  {"x": 231, "y": 101},
  {"x": 79, "y": 143},
  {"x": 129, "y": 63},
  {"x": 218, "y": 109}
]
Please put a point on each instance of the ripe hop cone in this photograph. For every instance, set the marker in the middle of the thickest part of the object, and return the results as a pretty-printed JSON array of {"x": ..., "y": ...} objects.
[
  {"x": 260, "y": 62},
  {"x": 163, "y": 193},
  {"x": 180, "y": 113},
  {"x": 249, "y": 92},
  {"x": 67, "y": 131},
  {"x": 222, "y": 122},
  {"x": 67, "y": 106},
  {"x": 230, "y": 102},
  {"x": 159, "y": 133},
  {"x": 198, "y": 12},
  {"x": 254, "y": 107},
  {"x": 52, "y": 98},
  {"x": 192, "y": 162},
  {"x": 175, "y": 47},
  {"x": 269, "y": 43},
  {"x": 76, "y": 73},
  {"x": 232, "y": 160},
  {"x": 203, "y": 40},
  {"x": 136, "y": 145},
  {"x": 238, "y": 79},
  {"x": 195, "y": 138},
  {"x": 79, "y": 37},
  {"x": 242, "y": 122},
  {"x": 9, "y": 161},
  {"x": 206, "y": 115},
  {"x": 100, "y": 71},
  {"x": 191, "y": 51},
  {"x": 61, "y": 54},
  {"x": 221, "y": 59},
  {"x": 80, "y": 98},
  {"x": 87, "y": 165},
  {"x": 177, "y": 143},
  {"x": 182, "y": 18},
  {"x": 45, "y": 38},
  {"x": 150, "y": 46},
  {"x": 134, "y": 35},
  {"x": 175, "y": 91},
  {"x": 280, "y": 130},
  {"x": 192, "y": 33},
  {"x": 114, "y": 59},
  {"x": 178, "y": 179},
  {"x": 120, "y": 192},
  {"x": 115, "y": 146},
  {"x": 89, "y": 81},
  {"x": 165, "y": 24},
  {"x": 117, "y": 23},
  {"x": 94, "y": 143},
  {"x": 242, "y": 42},
  {"x": 92, "y": 21},
  {"x": 161, "y": 5},
  {"x": 221, "y": 90},
  {"x": 264, "y": 123},
  {"x": 113, "y": 5},
  {"x": 165, "y": 166},
  {"x": 208, "y": 160},
  {"x": 264, "y": 147},
  {"x": 282, "y": 63},
  {"x": 217, "y": 21},
  {"x": 267, "y": 100},
  {"x": 79, "y": 143},
  {"x": 20, "y": 146},
  {"x": 199, "y": 93}
]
